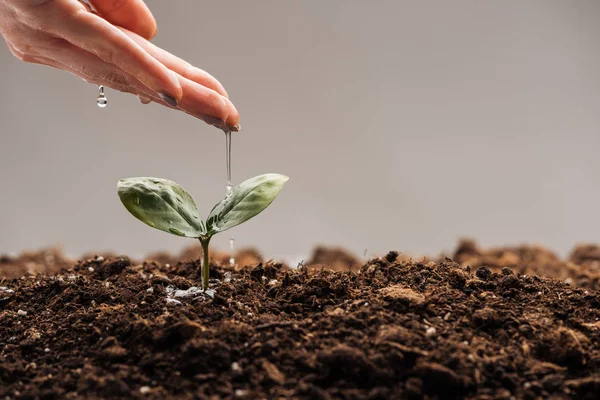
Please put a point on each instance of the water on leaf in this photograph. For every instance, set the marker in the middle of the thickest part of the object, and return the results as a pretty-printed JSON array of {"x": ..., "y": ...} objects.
[{"x": 176, "y": 231}]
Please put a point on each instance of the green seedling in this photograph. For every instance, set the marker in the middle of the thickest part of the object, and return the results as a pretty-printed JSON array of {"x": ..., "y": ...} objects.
[{"x": 165, "y": 205}]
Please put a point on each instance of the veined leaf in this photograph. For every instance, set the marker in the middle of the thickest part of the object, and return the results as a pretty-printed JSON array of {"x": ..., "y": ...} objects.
[
  {"x": 244, "y": 202},
  {"x": 162, "y": 204}
]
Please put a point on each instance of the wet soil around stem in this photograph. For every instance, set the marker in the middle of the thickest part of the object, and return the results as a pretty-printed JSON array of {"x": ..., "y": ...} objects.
[{"x": 107, "y": 327}]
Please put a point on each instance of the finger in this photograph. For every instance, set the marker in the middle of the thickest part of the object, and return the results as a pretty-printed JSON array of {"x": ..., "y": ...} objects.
[
  {"x": 95, "y": 35},
  {"x": 217, "y": 110},
  {"x": 94, "y": 70},
  {"x": 178, "y": 65},
  {"x": 209, "y": 106},
  {"x": 129, "y": 14}
]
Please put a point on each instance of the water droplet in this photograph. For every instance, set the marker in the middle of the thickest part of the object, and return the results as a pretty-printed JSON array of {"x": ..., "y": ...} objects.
[
  {"x": 169, "y": 221},
  {"x": 101, "y": 101},
  {"x": 231, "y": 257},
  {"x": 151, "y": 224},
  {"x": 228, "y": 158},
  {"x": 176, "y": 231},
  {"x": 195, "y": 215},
  {"x": 229, "y": 187},
  {"x": 137, "y": 200}
]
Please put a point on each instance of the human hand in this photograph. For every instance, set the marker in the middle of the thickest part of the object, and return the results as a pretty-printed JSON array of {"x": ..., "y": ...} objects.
[{"x": 111, "y": 47}]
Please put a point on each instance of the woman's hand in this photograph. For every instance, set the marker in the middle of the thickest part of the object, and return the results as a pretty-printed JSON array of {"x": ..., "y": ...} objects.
[{"x": 110, "y": 47}]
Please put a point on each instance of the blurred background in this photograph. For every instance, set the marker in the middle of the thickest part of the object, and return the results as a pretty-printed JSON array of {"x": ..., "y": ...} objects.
[{"x": 403, "y": 125}]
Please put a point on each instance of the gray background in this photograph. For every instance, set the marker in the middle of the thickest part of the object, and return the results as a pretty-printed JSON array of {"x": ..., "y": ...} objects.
[{"x": 402, "y": 124}]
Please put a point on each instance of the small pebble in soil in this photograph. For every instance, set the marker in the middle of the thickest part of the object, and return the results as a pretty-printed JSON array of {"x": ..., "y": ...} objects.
[
  {"x": 273, "y": 282},
  {"x": 91, "y": 269},
  {"x": 6, "y": 290},
  {"x": 431, "y": 331},
  {"x": 46, "y": 350},
  {"x": 21, "y": 312},
  {"x": 145, "y": 389},
  {"x": 227, "y": 277},
  {"x": 240, "y": 392},
  {"x": 172, "y": 301},
  {"x": 100, "y": 259},
  {"x": 150, "y": 290},
  {"x": 235, "y": 367},
  {"x": 192, "y": 292}
]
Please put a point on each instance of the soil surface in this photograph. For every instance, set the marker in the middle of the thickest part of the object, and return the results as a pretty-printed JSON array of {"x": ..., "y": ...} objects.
[{"x": 482, "y": 327}]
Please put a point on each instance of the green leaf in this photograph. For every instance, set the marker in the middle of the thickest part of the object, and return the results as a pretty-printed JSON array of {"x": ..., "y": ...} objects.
[
  {"x": 244, "y": 202},
  {"x": 162, "y": 204}
]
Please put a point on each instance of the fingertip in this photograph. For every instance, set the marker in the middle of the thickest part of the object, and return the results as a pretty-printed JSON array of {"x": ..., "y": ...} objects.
[
  {"x": 176, "y": 89},
  {"x": 149, "y": 30},
  {"x": 233, "y": 117}
]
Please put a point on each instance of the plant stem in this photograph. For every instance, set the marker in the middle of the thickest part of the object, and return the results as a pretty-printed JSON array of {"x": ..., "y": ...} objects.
[{"x": 205, "y": 263}]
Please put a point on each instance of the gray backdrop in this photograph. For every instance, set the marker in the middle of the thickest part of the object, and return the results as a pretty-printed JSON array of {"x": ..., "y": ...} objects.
[{"x": 402, "y": 124}]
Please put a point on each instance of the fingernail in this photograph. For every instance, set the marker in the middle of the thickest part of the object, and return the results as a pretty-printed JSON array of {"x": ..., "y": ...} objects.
[
  {"x": 167, "y": 98},
  {"x": 219, "y": 123},
  {"x": 235, "y": 128}
]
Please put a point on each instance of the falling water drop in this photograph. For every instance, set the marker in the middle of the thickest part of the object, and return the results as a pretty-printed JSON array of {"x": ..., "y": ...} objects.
[
  {"x": 229, "y": 186},
  {"x": 231, "y": 257},
  {"x": 101, "y": 101},
  {"x": 228, "y": 159}
]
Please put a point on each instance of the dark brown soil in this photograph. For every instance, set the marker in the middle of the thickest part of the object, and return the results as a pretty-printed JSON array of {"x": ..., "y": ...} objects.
[
  {"x": 581, "y": 268},
  {"x": 111, "y": 328}
]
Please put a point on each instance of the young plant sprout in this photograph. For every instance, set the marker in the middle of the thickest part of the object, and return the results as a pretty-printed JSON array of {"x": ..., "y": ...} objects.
[{"x": 165, "y": 205}]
